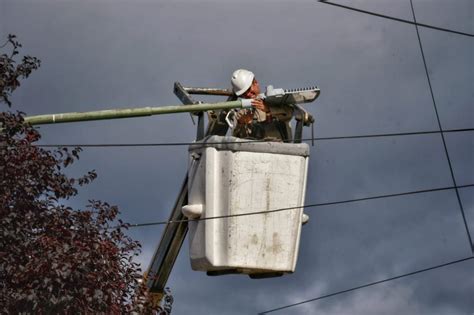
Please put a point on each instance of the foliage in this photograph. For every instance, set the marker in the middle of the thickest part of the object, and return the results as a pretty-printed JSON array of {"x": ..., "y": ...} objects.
[
  {"x": 54, "y": 259},
  {"x": 10, "y": 74}
]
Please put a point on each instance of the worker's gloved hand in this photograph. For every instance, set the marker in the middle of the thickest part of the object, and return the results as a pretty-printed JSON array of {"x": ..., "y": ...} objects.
[{"x": 259, "y": 104}]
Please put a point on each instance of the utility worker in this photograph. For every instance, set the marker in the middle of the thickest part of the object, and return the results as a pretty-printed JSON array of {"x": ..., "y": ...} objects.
[{"x": 261, "y": 121}]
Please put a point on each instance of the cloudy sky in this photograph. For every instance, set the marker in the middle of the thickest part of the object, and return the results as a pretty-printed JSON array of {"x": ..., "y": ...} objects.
[{"x": 119, "y": 54}]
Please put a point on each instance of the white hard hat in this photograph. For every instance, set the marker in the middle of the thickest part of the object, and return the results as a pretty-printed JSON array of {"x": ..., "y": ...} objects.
[{"x": 241, "y": 81}]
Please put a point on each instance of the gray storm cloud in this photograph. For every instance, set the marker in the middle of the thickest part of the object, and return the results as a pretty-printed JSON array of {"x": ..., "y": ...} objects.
[{"x": 105, "y": 54}]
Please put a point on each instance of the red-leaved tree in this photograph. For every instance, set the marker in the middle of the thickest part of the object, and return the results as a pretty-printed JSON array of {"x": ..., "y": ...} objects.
[{"x": 55, "y": 259}]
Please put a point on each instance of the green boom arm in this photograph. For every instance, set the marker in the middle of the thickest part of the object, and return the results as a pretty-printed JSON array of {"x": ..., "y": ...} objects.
[{"x": 132, "y": 112}]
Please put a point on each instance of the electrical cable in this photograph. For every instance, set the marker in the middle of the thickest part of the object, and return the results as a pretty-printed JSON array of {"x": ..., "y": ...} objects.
[
  {"x": 396, "y": 19},
  {"x": 371, "y": 284},
  {"x": 109, "y": 145},
  {"x": 296, "y": 208},
  {"x": 457, "y": 194},
  {"x": 441, "y": 131}
]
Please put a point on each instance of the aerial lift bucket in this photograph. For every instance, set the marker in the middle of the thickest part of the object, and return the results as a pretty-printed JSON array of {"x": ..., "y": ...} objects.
[{"x": 236, "y": 200}]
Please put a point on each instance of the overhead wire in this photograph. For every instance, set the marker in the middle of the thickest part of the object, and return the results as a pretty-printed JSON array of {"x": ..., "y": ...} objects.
[
  {"x": 396, "y": 19},
  {"x": 456, "y": 188},
  {"x": 370, "y": 284},
  {"x": 204, "y": 144},
  {"x": 297, "y": 208},
  {"x": 441, "y": 131}
]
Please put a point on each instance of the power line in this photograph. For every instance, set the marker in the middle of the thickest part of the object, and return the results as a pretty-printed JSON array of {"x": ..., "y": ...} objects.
[
  {"x": 457, "y": 194},
  {"x": 371, "y": 284},
  {"x": 396, "y": 19},
  {"x": 391, "y": 134},
  {"x": 441, "y": 130},
  {"x": 296, "y": 208},
  {"x": 162, "y": 144}
]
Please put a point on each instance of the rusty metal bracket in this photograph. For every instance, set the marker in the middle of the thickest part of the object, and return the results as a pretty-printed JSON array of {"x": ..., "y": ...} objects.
[
  {"x": 186, "y": 99},
  {"x": 303, "y": 118},
  {"x": 208, "y": 91},
  {"x": 217, "y": 124},
  {"x": 183, "y": 95}
]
